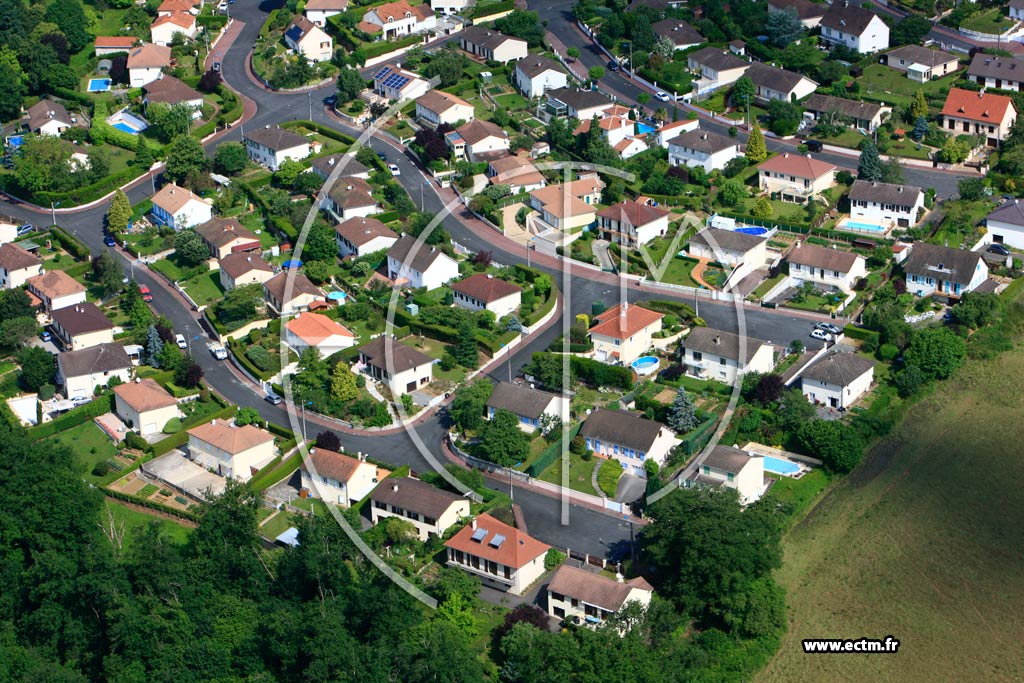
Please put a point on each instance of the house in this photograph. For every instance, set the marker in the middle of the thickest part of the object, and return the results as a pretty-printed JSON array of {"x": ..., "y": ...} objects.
[
  {"x": 450, "y": 7},
  {"x": 396, "y": 84},
  {"x": 1005, "y": 225},
  {"x": 1017, "y": 10},
  {"x": 360, "y": 236},
  {"x": 921, "y": 64},
  {"x": 979, "y": 113},
  {"x": 289, "y": 292},
  {"x": 519, "y": 173},
  {"x": 863, "y": 115},
  {"x": 309, "y": 40},
  {"x": 615, "y": 128},
  {"x": 112, "y": 45},
  {"x": 838, "y": 380},
  {"x": 627, "y": 438},
  {"x": 590, "y": 598},
  {"x": 49, "y": 117},
  {"x": 163, "y": 29},
  {"x": 401, "y": 368},
  {"x": 171, "y": 91},
  {"x": 809, "y": 13},
  {"x": 224, "y": 236},
  {"x": 481, "y": 137},
  {"x": 483, "y": 291},
  {"x": 934, "y": 270},
  {"x": 271, "y": 146},
  {"x": 317, "y": 331},
  {"x": 146, "y": 62},
  {"x": 1001, "y": 73},
  {"x": 492, "y": 45},
  {"x": 413, "y": 264},
  {"x": 772, "y": 83},
  {"x": 319, "y": 11},
  {"x": 561, "y": 210},
  {"x": 80, "y": 372},
  {"x": 855, "y": 27},
  {"x": 623, "y": 333},
  {"x": 573, "y": 103},
  {"x": 501, "y": 556},
  {"x": 723, "y": 356},
  {"x": 180, "y": 208},
  {"x": 702, "y": 148},
  {"x": 886, "y": 204},
  {"x": 794, "y": 177},
  {"x": 350, "y": 198},
  {"x": 168, "y": 7},
  {"x": 229, "y": 450},
  {"x": 436, "y": 107},
  {"x": 536, "y": 75},
  {"x": 350, "y": 167},
  {"x": 729, "y": 247},
  {"x": 81, "y": 326},
  {"x": 716, "y": 67},
  {"x": 738, "y": 47},
  {"x": 337, "y": 478},
  {"x": 529, "y": 405},
  {"x": 682, "y": 35},
  {"x": 239, "y": 269},
  {"x": 727, "y": 467},
  {"x": 669, "y": 131},
  {"x": 56, "y": 289},
  {"x": 145, "y": 406},
  {"x": 632, "y": 223},
  {"x": 398, "y": 18},
  {"x": 17, "y": 265},
  {"x": 630, "y": 147},
  {"x": 429, "y": 509},
  {"x": 824, "y": 266}
]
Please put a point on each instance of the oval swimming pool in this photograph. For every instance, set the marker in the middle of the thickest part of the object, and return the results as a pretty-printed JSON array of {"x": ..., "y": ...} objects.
[
  {"x": 753, "y": 230},
  {"x": 645, "y": 365}
]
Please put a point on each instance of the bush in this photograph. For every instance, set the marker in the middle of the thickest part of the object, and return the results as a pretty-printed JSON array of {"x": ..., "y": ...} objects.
[
  {"x": 101, "y": 469},
  {"x": 887, "y": 352},
  {"x": 553, "y": 558},
  {"x": 173, "y": 425},
  {"x": 136, "y": 442},
  {"x": 46, "y": 392}
]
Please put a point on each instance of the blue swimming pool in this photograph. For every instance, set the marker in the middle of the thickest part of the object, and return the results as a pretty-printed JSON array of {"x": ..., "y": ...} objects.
[
  {"x": 645, "y": 365},
  {"x": 99, "y": 84},
  {"x": 753, "y": 231},
  {"x": 337, "y": 296},
  {"x": 643, "y": 128},
  {"x": 861, "y": 227},
  {"x": 780, "y": 466},
  {"x": 121, "y": 125}
]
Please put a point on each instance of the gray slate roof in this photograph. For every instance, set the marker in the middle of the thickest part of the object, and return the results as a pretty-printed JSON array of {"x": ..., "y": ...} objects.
[
  {"x": 727, "y": 240},
  {"x": 592, "y": 588},
  {"x": 520, "y": 399},
  {"x": 717, "y": 59},
  {"x": 768, "y": 76},
  {"x": 823, "y": 257},
  {"x": 578, "y": 99},
  {"x": 621, "y": 428},
  {"x": 720, "y": 343},
  {"x": 848, "y": 18},
  {"x": 101, "y": 358},
  {"x": 945, "y": 263},
  {"x": 415, "y": 496},
  {"x": 805, "y": 9},
  {"x": 424, "y": 257},
  {"x": 990, "y": 66},
  {"x": 884, "y": 193},
  {"x": 865, "y": 111},
  {"x": 703, "y": 141},
  {"x": 1011, "y": 212},
  {"x": 403, "y": 357},
  {"x": 838, "y": 369},
  {"x": 727, "y": 459},
  {"x": 82, "y": 318},
  {"x": 535, "y": 65},
  {"x": 916, "y": 54},
  {"x": 678, "y": 31},
  {"x": 276, "y": 138}
]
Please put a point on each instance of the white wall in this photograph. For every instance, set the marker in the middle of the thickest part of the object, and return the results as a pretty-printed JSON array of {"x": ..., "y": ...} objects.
[{"x": 834, "y": 395}]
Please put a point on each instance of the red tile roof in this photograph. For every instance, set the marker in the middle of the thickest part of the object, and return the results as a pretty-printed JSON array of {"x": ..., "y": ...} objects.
[
  {"x": 976, "y": 106},
  {"x": 485, "y": 288},
  {"x": 633, "y": 213},
  {"x": 314, "y": 328},
  {"x": 797, "y": 165},
  {"x": 516, "y": 551},
  {"x": 612, "y": 324}
]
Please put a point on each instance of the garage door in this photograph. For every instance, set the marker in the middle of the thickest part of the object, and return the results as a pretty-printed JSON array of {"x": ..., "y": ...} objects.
[{"x": 149, "y": 428}]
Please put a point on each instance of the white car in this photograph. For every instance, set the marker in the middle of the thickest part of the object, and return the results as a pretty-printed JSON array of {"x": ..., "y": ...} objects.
[
  {"x": 179, "y": 339},
  {"x": 395, "y": 171},
  {"x": 663, "y": 96},
  {"x": 821, "y": 334}
]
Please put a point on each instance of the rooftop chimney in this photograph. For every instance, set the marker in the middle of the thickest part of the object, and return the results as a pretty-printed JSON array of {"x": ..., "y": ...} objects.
[
  {"x": 394, "y": 487},
  {"x": 473, "y": 524}
]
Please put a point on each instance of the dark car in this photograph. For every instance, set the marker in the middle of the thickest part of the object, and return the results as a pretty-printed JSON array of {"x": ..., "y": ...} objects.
[
  {"x": 109, "y": 241},
  {"x": 382, "y": 156},
  {"x": 998, "y": 249},
  {"x": 613, "y": 65},
  {"x": 813, "y": 145}
]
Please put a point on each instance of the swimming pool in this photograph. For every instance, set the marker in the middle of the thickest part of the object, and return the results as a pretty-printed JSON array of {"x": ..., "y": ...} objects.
[
  {"x": 645, "y": 365},
  {"x": 337, "y": 296},
  {"x": 99, "y": 84},
  {"x": 127, "y": 122},
  {"x": 862, "y": 227},
  {"x": 122, "y": 126},
  {"x": 643, "y": 128},
  {"x": 753, "y": 231},
  {"x": 779, "y": 466}
]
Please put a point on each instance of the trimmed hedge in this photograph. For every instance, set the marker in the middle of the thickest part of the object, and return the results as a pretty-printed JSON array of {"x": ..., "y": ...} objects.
[
  {"x": 319, "y": 130},
  {"x": 693, "y": 441},
  {"x": 860, "y": 334},
  {"x": 212, "y": 21},
  {"x": 73, "y": 418},
  {"x": 481, "y": 12},
  {"x": 543, "y": 309},
  {"x": 382, "y": 47},
  {"x": 598, "y": 374},
  {"x": 550, "y": 454},
  {"x": 70, "y": 243},
  {"x": 676, "y": 308},
  {"x": 174, "y": 441},
  {"x": 152, "y": 505}
]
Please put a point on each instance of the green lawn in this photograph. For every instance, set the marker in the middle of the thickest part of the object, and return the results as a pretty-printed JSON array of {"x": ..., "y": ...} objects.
[
  {"x": 608, "y": 477},
  {"x": 848, "y": 138},
  {"x": 992, "y": 21},
  {"x": 766, "y": 286},
  {"x": 812, "y": 302},
  {"x": 280, "y": 523},
  {"x": 579, "y": 473},
  {"x": 879, "y": 81},
  {"x": 910, "y": 149},
  {"x": 169, "y": 269},
  {"x": 782, "y": 212},
  {"x": 205, "y": 289},
  {"x": 89, "y": 445},
  {"x": 512, "y": 102},
  {"x": 135, "y": 521}
]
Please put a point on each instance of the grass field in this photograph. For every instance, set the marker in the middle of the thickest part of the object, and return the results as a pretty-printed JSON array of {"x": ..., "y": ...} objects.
[
  {"x": 580, "y": 472},
  {"x": 205, "y": 289},
  {"x": 89, "y": 444},
  {"x": 881, "y": 80},
  {"x": 922, "y": 542},
  {"x": 992, "y": 21},
  {"x": 134, "y": 521}
]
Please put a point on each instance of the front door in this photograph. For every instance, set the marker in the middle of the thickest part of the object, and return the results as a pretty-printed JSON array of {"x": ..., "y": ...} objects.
[{"x": 833, "y": 401}]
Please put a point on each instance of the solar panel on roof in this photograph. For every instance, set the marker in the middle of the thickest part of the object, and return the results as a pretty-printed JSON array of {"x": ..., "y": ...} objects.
[
  {"x": 479, "y": 535},
  {"x": 497, "y": 541},
  {"x": 381, "y": 73}
]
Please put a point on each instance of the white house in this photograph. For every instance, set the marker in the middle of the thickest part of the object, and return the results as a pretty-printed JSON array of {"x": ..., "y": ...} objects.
[
  {"x": 145, "y": 406},
  {"x": 338, "y": 478},
  {"x": 561, "y": 208},
  {"x": 56, "y": 289},
  {"x": 683, "y": 35},
  {"x": 501, "y": 556},
  {"x": 309, "y": 40},
  {"x": 350, "y": 166},
  {"x": 573, "y": 103},
  {"x": 855, "y": 27},
  {"x": 623, "y": 333},
  {"x": 17, "y": 265},
  {"x": 795, "y": 178},
  {"x": 492, "y": 45},
  {"x": 536, "y": 75},
  {"x": 589, "y": 597},
  {"x": 886, "y": 204},
  {"x": 838, "y": 380},
  {"x": 710, "y": 151},
  {"x": 716, "y": 68},
  {"x": 413, "y": 264},
  {"x": 727, "y": 467},
  {"x": 398, "y": 18},
  {"x": 449, "y": 7},
  {"x": 81, "y": 326},
  {"x": 669, "y": 131},
  {"x": 180, "y": 208},
  {"x": 730, "y": 248},
  {"x": 824, "y": 266},
  {"x": 238, "y": 269},
  {"x": 225, "y": 236},
  {"x": 1001, "y": 73},
  {"x": 80, "y": 372},
  {"x": 429, "y": 509},
  {"x": 529, "y": 405},
  {"x": 272, "y": 145},
  {"x": 632, "y": 223},
  {"x": 163, "y": 29},
  {"x": 627, "y": 438},
  {"x": 866, "y": 115},
  {"x": 319, "y": 11},
  {"x": 146, "y": 62},
  {"x": 436, "y": 107},
  {"x": 289, "y": 292},
  {"x": 49, "y": 117},
  {"x": 985, "y": 114},
  {"x": 350, "y": 198},
  {"x": 771, "y": 83},
  {"x": 809, "y": 13},
  {"x": 922, "y": 64},
  {"x": 229, "y": 450},
  {"x": 317, "y": 331},
  {"x": 519, "y": 173},
  {"x": 397, "y": 84},
  {"x": 1005, "y": 225},
  {"x": 360, "y": 236},
  {"x": 716, "y": 354},
  {"x": 483, "y": 291},
  {"x": 401, "y": 368},
  {"x": 479, "y": 139},
  {"x": 1017, "y": 10},
  {"x": 172, "y": 91},
  {"x": 935, "y": 270}
]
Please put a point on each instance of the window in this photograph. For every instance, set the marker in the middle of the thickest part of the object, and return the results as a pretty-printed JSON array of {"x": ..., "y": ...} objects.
[
  {"x": 730, "y": 476},
  {"x": 721, "y": 361},
  {"x": 429, "y": 520},
  {"x": 379, "y": 505},
  {"x": 557, "y": 597},
  {"x": 507, "y": 572}
]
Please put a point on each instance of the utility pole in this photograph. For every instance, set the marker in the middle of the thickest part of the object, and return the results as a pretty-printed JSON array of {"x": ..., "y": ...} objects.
[{"x": 309, "y": 96}]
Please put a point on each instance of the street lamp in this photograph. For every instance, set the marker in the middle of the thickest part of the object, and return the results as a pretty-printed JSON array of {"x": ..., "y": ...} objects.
[{"x": 53, "y": 212}]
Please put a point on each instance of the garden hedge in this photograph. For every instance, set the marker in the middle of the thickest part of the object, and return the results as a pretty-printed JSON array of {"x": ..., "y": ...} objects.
[
  {"x": 70, "y": 243},
  {"x": 860, "y": 334},
  {"x": 73, "y": 418},
  {"x": 550, "y": 454},
  {"x": 152, "y": 505}
]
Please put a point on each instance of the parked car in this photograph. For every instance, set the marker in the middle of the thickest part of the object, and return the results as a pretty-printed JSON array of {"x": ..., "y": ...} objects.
[
  {"x": 613, "y": 65},
  {"x": 663, "y": 96},
  {"x": 273, "y": 399},
  {"x": 216, "y": 67},
  {"x": 998, "y": 249},
  {"x": 382, "y": 156},
  {"x": 46, "y": 336},
  {"x": 147, "y": 296},
  {"x": 179, "y": 339},
  {"x": 395, "y": 171},
  {"x": 828, "y": 327},
  {"x": 814, "y": 145},
  {"x": 109, "y": 241},
  {"x": 25, "y": 229},
  {"x": 821, "y": 334}
]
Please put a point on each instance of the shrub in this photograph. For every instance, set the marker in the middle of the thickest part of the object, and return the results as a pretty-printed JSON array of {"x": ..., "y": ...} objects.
[
  {"x": 46, "y": 392},
  {"x": 134, "y": 441},
  {"x": 887, "y": 352},
  {"x": 553, "y": 558},
  {"x": 173, "y": 425},
  {"x": 101, "y": 469}
]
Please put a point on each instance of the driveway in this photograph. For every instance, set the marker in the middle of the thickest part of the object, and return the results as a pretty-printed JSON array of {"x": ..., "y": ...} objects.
[{"x": 630, "y": 488}]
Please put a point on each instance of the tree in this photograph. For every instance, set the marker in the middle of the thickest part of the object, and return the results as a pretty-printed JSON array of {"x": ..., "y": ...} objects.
[
  {"x": 573, "y": 53},
  {"x": 287, "y": 172},
  {"x": 107, "y": 273},
  {"x": 769, "y": 388},
  {"x": 732, "y": 193},
  {"x": 838, "y": 446},
  {"x": 320, "y": 244},
  {"x": 977, "y": 309},
  {"x": 328, "y": 440},
  {"x": 783, "y": 28},
  {"x": 119, "y": 213},
  {"x": 936, "y": 351},
  {"x": 523, "y": 25},
  {"x": 794, "y": 409},
  {"x": 644, "y": 37},
  {"x": 69, "y": 15},
  {"x": 154, "y": 347},
  {"x": 955, "y": 150},
  {"x": 448, "y": 66},
  {"x": 531, "y": 615},
  {"x": 910, "y": 30},
  {"x": 465, "y": 351},
  {"x": 501, "y": 440},
  {"x": 188, "y": 373},
  {"x": 343, "y": 383},
  {"x": 12, "y": 84},
  {"x": 920, "y": 128},
  {"x": 210, "y": 81},
  {"x": 43, "y": 163},
  {"x": 971, "y": 189},
  {"x": 870, "y": 165},
  {"x": 919, "y": 107},
  {"x": 762, "y": 207},
  {"x": 784, "y": 117},
  {"x": 743, "y": 92},
  {"x": 143, "y": 154},
  {"x": 892, "y": 171},
  {"x": 350, "y": 84},
  {"x": 596, "y": 73},
  {"x": 247, "y": 415},
  {"x": 14, "y": 303},
  {"x": 189, "y": 248},
  {"x": 909, "y": 381},
  {"x": 36, "y": 367},
  {"x": 185, "y": 156},
  {"x": 16, "y": 331},
  {"x": 230, "y": 158},
  {"x": 757, "y": 150},
  {"x": 682, "y": 415},
  {"x": 168, "y": 121},
  {"x": 467, "y": 408},
  {"x": 239, "y": 305}
]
